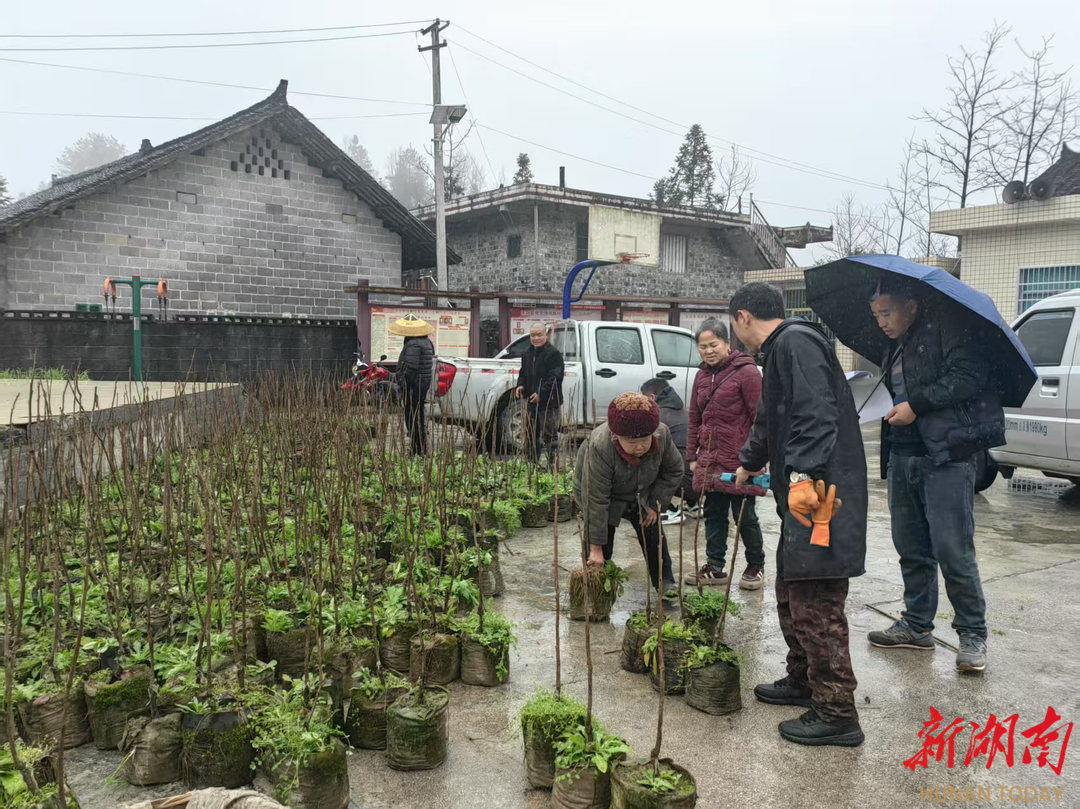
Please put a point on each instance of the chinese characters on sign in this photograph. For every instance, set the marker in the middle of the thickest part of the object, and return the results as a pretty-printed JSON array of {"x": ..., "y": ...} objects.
[
  {"x": 451, "y": 337},
  {"x": 1046, "y": 743}
]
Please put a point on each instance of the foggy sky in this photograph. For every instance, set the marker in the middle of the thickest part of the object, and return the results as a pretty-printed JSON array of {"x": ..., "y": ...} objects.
[{"x": 833, "y": 84}]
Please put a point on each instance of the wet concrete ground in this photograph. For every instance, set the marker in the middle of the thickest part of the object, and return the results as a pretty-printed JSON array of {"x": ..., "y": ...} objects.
[{"x": 1029, "y": 556}]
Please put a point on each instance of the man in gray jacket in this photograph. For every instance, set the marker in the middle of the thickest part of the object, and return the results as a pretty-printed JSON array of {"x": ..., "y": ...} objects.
[{"x": 627, "y": 468}]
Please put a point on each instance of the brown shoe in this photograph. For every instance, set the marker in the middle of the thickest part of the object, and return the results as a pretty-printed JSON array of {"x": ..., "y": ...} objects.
[
  {"x": 708, "y": 575},
  {"x": 753, "y": 578}
]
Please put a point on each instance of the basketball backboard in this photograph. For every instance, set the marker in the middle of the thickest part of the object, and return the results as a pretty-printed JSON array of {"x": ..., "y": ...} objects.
[{"x": 615, "y": 233}]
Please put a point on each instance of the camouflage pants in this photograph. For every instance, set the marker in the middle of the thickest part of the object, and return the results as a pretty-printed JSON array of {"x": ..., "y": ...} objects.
[{"x": 815, "y": 628}]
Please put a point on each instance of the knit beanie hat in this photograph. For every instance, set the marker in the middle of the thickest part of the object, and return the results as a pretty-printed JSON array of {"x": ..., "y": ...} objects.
[{"x": 633, "y": 415}]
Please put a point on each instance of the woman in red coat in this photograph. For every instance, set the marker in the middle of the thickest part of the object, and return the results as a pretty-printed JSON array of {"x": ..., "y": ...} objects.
[{"x": 722, "y": 409}]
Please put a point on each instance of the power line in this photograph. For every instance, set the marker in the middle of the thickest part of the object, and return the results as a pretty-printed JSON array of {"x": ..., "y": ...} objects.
[
  {"x": 566, "y": 154},
  {"x": 214, "y": 33},
  {"x": 787, "y": 163},
  {"x": 472, "y": 116},
  {"x": 203, "y": 44},
  {"x": 210, "y": 83},
  {"x": 645, "y": 176},
  {"x": 197, "y": 117},
  {"x": 816, "y": 172}
]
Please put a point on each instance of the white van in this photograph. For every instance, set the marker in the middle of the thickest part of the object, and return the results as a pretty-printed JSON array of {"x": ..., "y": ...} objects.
[{"x": 1044, "y": 434}]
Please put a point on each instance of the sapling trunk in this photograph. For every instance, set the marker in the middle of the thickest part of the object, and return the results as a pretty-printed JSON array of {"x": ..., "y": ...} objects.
[
  {"x": 13, "y": 617},
  {"x": 718, "y": 635},
  {"x": 555, "y": 572},
  {"x": 697, "y": 528},
  {"x": 585, "y": 546},
  {"x": 682, "y": 526},
  {"x": 697, "y": 558},
  {"x": 655, "y": 755}
]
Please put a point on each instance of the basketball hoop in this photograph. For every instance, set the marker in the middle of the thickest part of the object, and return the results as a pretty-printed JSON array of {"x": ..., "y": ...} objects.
[{"x": 629, "y": 258}]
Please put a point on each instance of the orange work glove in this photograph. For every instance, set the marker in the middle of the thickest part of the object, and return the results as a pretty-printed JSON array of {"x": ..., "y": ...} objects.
[
  {"x": 802, "y": 500},
  {"x": 828, "y": 505}
]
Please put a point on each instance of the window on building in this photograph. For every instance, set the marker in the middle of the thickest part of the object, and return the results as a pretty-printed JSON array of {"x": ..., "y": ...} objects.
[
  {"x": 513, "y": 247},
  {"x": 675, "y": 349},
  {"x": 673, "y": 249},
  {"x": 1037, "y": 283},
  {"x": 582, "y": 252},
  {"x": 619, "y": 345},
  {"x": 1044, "y": 335}
]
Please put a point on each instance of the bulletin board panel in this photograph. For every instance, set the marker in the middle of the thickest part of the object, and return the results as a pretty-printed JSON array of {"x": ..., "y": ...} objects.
[{"x": 451, "y": 337}]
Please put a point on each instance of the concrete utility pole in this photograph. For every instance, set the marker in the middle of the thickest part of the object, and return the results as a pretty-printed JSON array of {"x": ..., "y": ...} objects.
[{"x": 441, "y": 278}]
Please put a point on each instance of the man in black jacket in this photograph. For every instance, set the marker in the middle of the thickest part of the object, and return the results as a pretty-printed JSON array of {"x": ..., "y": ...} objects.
[
  {"x": 540, "y": 383},
  {"x": 807, "y": 430},
  {"x": 944, "y": 412}
]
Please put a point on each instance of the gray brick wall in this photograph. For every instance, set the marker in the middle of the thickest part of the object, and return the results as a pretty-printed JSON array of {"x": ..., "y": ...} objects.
[
  {"x": 713, "y": 271},
  {"x": 222, "y": 239}
]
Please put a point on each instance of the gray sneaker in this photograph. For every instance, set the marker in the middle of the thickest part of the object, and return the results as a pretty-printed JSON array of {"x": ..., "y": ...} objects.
[
  {"x": 972, "y": 654},
  {"x": 901, "y": 636}
]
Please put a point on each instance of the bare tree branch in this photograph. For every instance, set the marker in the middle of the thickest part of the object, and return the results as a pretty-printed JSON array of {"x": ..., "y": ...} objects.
[
  {"x": 736, "y": 176},
  {"x": 965, "y": 125},
  {"x": 853, "y": 229},
  {"x": 1028, "y": 132}
]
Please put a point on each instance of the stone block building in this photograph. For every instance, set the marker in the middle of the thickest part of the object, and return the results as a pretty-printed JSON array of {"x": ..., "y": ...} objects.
[
  {"x": 526, "y": 237},
  {"x": 258, "y": 214}
]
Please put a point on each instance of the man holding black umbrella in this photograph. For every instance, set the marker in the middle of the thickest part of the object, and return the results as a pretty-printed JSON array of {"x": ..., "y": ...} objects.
[
  {"x": 807, "y": 430},
  {"x": 945, "y": 410},
  {"x": 951, "y": 363}
]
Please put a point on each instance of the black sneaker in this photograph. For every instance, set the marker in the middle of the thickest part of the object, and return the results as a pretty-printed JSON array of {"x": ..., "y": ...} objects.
[
  {"x": 901, "y": 636},
  {"x": 972, "y": 654},
  {"x": 784, "y": 692},
  {"x": 813, "y": 730}
]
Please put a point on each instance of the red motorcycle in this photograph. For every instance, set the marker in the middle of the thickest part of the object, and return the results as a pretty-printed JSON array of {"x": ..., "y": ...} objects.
[{"x": 374, "y": 378}]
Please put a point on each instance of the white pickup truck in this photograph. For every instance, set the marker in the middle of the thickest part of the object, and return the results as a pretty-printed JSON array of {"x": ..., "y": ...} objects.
[
  {"x": 1044, "y": 434},
  {"x": 603, "y": 359}
]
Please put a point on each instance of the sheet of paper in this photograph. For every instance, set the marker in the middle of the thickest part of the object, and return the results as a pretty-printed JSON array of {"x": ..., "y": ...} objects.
[{"x": 871, "y": 399}]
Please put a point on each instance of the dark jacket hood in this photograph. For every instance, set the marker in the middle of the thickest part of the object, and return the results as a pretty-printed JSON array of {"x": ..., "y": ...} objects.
[{"x": 670, "y": 399}]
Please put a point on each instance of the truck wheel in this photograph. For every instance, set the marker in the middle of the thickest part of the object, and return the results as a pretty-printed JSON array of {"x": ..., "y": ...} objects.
[
  {"x": 986, "y": 471},
  {"x": 511, "y": 424}
]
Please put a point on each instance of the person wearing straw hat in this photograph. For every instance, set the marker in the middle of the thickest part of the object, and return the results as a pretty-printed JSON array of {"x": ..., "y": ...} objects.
[
  {"x": 627, "y": 469},
  {"x": 416, "y": 363}
]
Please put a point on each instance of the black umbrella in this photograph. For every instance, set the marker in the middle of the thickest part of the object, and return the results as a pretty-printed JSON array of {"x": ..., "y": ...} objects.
[{"x": 840, "y": 292}]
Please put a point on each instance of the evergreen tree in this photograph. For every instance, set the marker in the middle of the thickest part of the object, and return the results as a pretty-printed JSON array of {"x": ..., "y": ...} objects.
[
  {"x": 660, "y": 192},
  {"x": 407, "y": 179},
  {"x": 690, "y": 181},
  {"x": 524, "y": 169},
  {"x": 5, "y": 198},
  {"x": 355, "y": 149},
  {"x": 89, "y": 152}
]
